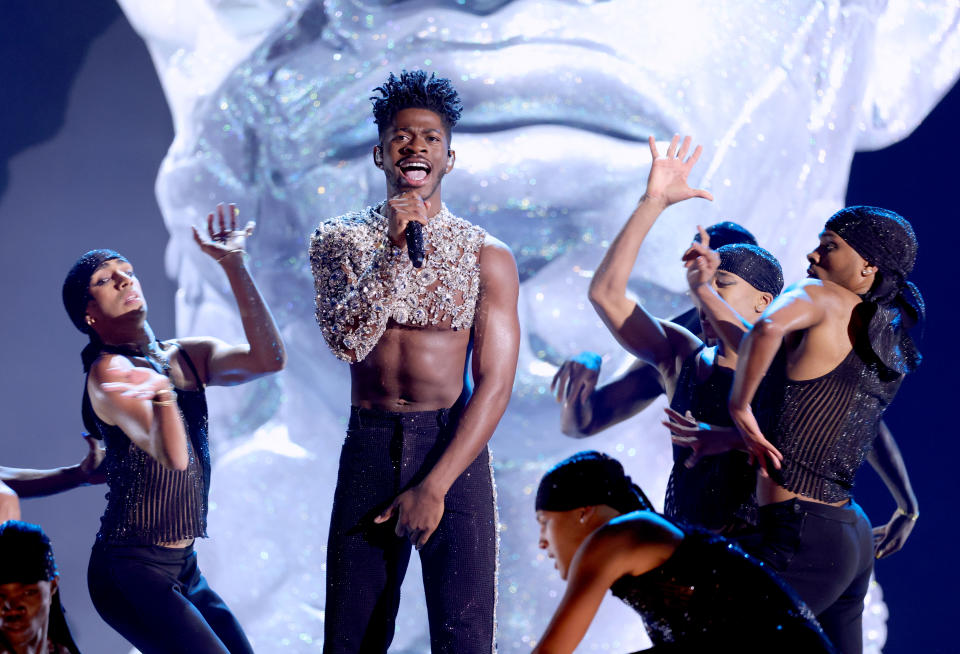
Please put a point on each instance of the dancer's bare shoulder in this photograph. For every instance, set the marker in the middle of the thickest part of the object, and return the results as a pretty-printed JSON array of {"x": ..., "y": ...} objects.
[{"x": 633, "y": 543}]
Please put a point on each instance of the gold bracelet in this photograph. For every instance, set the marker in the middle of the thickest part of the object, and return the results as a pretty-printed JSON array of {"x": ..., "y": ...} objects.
[
  {"x": 908, "y": 516},
  {"x": 228, "y": 253},
  {"x": 171, "y": 399}
]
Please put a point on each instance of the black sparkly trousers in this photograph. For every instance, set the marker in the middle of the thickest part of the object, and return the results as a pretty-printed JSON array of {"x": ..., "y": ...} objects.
[
  {"x": 383, "y": 455},
  {"x": 826, "y": 554},
  {"x": 156, "y": 598}
]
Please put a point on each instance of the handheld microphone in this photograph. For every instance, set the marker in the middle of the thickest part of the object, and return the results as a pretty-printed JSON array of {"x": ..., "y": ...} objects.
[{"x": 414, "y": 235}]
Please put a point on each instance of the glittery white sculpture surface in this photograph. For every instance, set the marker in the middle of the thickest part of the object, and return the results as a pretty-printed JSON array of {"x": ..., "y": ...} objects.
[{"x": 270, "y": 108}]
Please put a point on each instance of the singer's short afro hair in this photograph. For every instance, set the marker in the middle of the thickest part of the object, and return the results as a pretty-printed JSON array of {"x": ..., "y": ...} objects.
[{"x": 414, "y": 90}]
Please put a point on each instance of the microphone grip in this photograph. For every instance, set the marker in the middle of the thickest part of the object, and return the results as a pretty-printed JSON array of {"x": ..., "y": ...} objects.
[{"x": 414, "y": 236}]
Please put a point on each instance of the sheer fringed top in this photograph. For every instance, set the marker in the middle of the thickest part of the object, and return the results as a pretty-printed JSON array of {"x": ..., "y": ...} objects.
[
  {"x": 824, "y": 426},
  {"x": 712, "y": 594},
  {"x": 146, "y": 503},
  {"x": 718, "y": 492}
]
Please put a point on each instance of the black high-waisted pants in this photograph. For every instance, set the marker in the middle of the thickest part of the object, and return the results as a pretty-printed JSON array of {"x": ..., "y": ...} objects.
[
  {"x": 384, "y": 454},
  {"x": 156, "y": 598},
  {"x": 826, "y": 554}
]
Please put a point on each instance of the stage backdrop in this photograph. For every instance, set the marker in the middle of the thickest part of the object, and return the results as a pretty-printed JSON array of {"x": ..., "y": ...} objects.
[{"x": 269, "y": 107}]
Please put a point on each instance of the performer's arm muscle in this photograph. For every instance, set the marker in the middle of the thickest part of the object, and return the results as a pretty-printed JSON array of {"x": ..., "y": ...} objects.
[
  {"x": 658, "y": 342},
  {"x": 222, "y": 364},
  {"x": 495, "y": 348}
]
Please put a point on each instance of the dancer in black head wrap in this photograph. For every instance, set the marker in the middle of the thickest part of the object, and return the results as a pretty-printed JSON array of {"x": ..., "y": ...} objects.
[
  {"x": 836, "y": 346},
  {"x": 589, "y": 409},
  {"x": 716, "y": 492},
  {"x": 695, "y": 590},
  {"x": 146, "y": 399},
  {"x": 31, "y": 616}
]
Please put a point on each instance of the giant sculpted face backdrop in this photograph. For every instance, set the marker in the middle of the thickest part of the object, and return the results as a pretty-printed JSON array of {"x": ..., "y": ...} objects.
[{"x": 271, "y": 111}]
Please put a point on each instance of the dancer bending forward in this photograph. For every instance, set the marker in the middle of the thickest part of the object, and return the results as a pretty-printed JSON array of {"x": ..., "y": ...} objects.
[{"x": 695, "y": 590}]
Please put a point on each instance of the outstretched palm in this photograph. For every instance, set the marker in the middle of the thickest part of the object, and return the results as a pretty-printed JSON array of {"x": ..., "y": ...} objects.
[
  {"x": 668, "y": 174},
  {"x": 225, "y": 237}
]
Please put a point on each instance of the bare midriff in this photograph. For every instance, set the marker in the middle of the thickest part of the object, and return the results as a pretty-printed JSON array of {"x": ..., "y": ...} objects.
[
  {"x": 411, "y": 369},
  {"x": 177, "y": 544},
  {"x": 770, "y": 492}
]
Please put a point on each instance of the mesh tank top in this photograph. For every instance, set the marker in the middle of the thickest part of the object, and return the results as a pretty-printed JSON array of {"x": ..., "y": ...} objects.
[
  {"x": 718, "y": 492},
  {"x": 146, "y": 503},
  {"x": 710, "y": 593},
  {"x": 824, "y": 426}
]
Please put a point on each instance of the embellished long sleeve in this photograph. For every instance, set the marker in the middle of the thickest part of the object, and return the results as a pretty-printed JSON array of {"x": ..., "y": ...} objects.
[
  {"x": 362, "y": 280},
  {"x": 354, "y": 273}
]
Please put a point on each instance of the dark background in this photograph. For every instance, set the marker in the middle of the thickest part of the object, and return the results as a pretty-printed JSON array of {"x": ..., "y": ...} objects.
[{"x": 84, "y": 128}]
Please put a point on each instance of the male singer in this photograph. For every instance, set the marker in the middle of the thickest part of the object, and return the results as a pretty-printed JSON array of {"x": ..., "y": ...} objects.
[{"x": 405, "y": 309}]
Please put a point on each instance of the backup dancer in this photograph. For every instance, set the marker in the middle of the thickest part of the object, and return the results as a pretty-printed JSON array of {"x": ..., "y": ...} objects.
[
  {"x": 695, "y": 590},
  {"x": 32, "y": 618},
  {"x": 715, "y": 492},
  {"x": 588, "y": 410},
  {"x": 145, "y": 399},
  {"x": 834, "y": 349}
]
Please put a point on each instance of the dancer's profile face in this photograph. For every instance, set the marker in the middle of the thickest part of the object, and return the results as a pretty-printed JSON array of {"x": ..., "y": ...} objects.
[
  {"x": 25, "y": 610},
  {"x": 561, "y": 534},
  {"x": 414, "y": 153},
  {"x": 115, "y": 292},
  {"x": 739, "y": 294},
  {"x": 835, "y": 261}
]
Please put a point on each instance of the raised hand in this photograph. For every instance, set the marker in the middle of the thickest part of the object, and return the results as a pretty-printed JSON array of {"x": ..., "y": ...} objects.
[
  {"x": 761, "y": 450},
  {"x": 577, "y": 377},
  {"x": 704, "y": 439},
  {"x": 224, "y": 236},
  {"x": 667, "y": 182},
  {"x": 402, "y": 209},
  {"x": 700, "y": 261}
]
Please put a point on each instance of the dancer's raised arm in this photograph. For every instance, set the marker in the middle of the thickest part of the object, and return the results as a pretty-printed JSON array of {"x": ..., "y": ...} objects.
[
  {"x": 649, "y": 338},
  {"x": 220, "y": 363}
]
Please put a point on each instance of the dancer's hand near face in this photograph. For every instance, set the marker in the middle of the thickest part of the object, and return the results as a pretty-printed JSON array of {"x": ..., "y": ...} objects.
[
  {"x": 640, "y": 333},
  {"x": 700, "y": 261}
]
